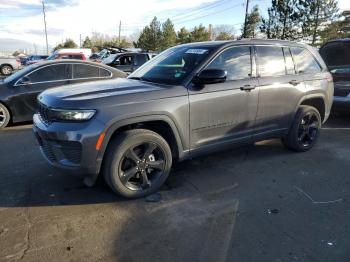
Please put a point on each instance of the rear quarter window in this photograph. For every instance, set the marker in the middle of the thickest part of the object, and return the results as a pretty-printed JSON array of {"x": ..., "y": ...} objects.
[
  {"x": 85, "y": 71},
  {"x": 305, "y": 61}
]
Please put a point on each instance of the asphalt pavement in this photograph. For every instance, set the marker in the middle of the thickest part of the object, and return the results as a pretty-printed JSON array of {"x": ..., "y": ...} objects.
[{"x": 255, "y": 203}]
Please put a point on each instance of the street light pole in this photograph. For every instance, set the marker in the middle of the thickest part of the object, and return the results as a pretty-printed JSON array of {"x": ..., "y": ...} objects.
[{"x": 47, "y": 44}]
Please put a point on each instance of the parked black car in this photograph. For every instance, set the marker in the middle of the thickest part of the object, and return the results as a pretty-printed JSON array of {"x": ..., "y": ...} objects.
[
  {"x": 18, "y": 92},
  {"x": 189, "y": 100},
  {"x": 127, "y": 61},
  {"x": 336, "y": 54}
]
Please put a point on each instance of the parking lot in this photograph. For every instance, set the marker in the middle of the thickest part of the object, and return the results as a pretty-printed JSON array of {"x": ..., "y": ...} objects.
[{"x": 255, "y": 203}]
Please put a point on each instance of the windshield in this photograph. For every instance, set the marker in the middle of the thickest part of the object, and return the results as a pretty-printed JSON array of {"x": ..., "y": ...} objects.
[
  {"x": 172, "y": 66},
  {"x": 20, "y": 73},
  {"x": 52, "y": 56},
  {"x": 109, "y": 59}
]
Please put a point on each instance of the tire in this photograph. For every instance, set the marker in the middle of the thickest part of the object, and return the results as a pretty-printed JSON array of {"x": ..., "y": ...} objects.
[
  {"x": 6, "y": 70},
  {"x": 140, "y": 152},
  {"x": 4, "y": 116},
  {"x": 305, "y": 130}
]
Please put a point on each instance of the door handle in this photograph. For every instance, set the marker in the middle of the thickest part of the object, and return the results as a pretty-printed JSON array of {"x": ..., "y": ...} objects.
[
  {"x": 294, "y": 82},
  {"x": 247, "y": 88}
]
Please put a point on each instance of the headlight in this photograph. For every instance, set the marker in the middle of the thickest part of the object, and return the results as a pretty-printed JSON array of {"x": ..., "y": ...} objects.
[{"x": 72, "y": 115}]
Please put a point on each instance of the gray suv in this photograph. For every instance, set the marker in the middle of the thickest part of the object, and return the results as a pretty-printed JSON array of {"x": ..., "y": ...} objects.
[{"x": 190, "y": 100}]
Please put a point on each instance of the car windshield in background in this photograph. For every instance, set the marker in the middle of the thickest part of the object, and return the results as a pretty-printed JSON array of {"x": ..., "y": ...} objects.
[
  {"x": 20, "y": 73},
  {"x": 172, "y": 66}
]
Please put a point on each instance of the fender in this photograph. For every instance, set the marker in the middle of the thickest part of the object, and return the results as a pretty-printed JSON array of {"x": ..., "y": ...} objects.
[{"x": 183, "y": 154}]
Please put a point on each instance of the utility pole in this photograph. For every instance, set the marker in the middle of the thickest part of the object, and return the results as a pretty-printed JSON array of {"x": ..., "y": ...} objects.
[
  {"x": 245, "y": 20},
  {"x": 47, "y": 44},
  {"x": 80, "y": 40},
  {"x": 120, "y": 28}
]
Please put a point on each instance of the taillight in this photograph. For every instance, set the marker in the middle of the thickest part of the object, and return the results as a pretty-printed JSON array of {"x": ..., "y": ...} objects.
[{"x": 329, "y": 78}]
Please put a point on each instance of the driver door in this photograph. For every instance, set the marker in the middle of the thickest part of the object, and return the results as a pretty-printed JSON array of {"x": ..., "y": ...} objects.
[
  {"x": 224, "y": 113},
  {"x": 29, "y": 87}
]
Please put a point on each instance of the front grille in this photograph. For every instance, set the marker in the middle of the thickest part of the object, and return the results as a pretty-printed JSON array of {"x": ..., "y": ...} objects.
[
  {"x": 57, "y": 151},
  {"x": 341, "y": 92},
  {"x": 44, "y": 114}
]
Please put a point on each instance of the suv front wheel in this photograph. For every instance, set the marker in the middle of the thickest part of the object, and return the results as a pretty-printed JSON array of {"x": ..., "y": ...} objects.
[
  {"x": 305, "y": 130},
  {"x": 137, "y": 163}
]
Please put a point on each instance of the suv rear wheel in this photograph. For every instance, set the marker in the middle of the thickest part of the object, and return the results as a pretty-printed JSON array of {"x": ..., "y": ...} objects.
[
  {"x": 305, "y": 130},
  {"x": 137, "y": 163},
  {"x": 4, "y": 116}
]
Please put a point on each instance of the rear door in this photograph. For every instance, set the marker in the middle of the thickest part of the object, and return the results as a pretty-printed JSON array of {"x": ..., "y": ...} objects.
[
  {"x": 223, "y": 113},
  {"x": 84, "y": 73},
  {"x": 25, "y": 98},
  {"x": 280, "y": 89}
]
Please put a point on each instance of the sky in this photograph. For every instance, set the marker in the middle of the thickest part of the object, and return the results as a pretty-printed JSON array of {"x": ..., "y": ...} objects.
[{"x": 23, "y": 19}]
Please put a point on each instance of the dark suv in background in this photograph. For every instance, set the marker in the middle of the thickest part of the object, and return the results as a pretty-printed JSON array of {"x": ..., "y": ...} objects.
[
  {"x": 336, "y": 54},
  {"x": 189, "y": 100}
]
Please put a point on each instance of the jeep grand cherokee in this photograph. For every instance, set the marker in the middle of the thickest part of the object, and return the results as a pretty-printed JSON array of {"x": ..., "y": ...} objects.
[{"x": 190, "y": 100}]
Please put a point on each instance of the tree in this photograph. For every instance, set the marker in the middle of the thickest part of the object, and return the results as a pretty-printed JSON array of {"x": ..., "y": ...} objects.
[
  {"x": 337, "y": 29},
  {"x": 16, "y": 53},
  {"x": 168, "y": 35},
  {"x": 183, "y": 36},
  {"x": 199, "y": 34},
  {"x": 224, "y": 32},
  {"x": 315, "y": 14},
  {"x": 253, "y": 22},
  {"x": 87, "y": 43},
  {"x": 151, "y": 36},
  {"x": 69, "y": 43},
  {"x": 283, "y": 21}
]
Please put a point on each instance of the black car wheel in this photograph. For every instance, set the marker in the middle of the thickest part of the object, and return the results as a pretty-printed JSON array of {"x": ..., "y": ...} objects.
[
  {"x": 6, "y": 70},
  {"x": 4, "y": 116},
  {"x": 137, "y": 163},
  {"x": 305, "y": 130}
]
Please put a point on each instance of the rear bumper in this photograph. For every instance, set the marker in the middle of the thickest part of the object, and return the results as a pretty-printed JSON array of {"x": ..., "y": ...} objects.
[{"x": 70, "y": 146}]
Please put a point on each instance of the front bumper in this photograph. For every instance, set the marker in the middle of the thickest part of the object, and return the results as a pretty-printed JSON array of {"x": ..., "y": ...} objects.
[{"x": 70, "y": 146}]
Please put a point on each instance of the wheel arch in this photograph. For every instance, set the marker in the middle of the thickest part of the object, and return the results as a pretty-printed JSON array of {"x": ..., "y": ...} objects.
[
  {"x": 8, "y": 109},
  {"x": 317, "y": 102},
  {"x": 161, "y": 124}
]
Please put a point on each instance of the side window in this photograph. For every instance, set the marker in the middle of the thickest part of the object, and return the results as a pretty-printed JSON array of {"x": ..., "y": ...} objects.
[
  {"x": 140, "y": 59},
  {"x": 105, "y": 73},
  {"x": 51, "y": 73},
  {"x": 85, "y": 71},
  {"x": 125, "y": 60},
  {"x": 305, "y": 61},
  {"x": 271, "y": 61},
  {"x": 289, "y": 61},
  {"x": 236, "y": 61},
  {"x": 79, "y": 57}
]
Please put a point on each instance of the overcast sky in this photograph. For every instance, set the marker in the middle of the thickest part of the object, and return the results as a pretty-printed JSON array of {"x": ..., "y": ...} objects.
[{"x": 23, "y": 19}]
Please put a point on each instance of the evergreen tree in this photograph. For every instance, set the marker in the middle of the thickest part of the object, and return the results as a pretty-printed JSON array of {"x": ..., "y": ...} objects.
[
  {"x": 168, "y": 34},
  {"x": 199, "y": 34},
  {"x": 315, "y": 14},
  {"x": 253, "y": 21},
  {"x": 69, "y": 43},
  {"x": 151, "y": 36},
  {"x": 183, "y": 36},
  {"x": 337, "y": 29},
  {"x": 87, "y": 43}
]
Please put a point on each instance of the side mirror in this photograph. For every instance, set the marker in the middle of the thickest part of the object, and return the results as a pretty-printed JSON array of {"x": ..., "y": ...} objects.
[
  {"x": 210, "y": 76},
  {"x": 25, "y": 80}
]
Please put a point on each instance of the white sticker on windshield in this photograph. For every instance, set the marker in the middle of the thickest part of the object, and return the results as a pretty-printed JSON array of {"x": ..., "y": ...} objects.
[{"x": 196, "y": 51}]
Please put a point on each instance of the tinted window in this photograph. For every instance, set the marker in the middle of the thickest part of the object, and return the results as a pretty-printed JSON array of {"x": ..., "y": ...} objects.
[
  {"x": 140, "y": 59},
  {"x": 51, "y": 73},
  {"x": 104, "y": 73},
  {"x": 236, "y": 61},
  {"x": 125, "y": 60},
  {"x": 85, "y": 71},
  {"x": 336, "y": 53},
  {"x": 289, "y": 61},
  {"x": 271, "y": 61},
  {"x": 305, "y": 61},
  {"x": 76, "y": 57}
]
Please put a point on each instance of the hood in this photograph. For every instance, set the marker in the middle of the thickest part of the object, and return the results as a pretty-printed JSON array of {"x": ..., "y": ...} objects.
[{"x": 120, "y": 90}]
